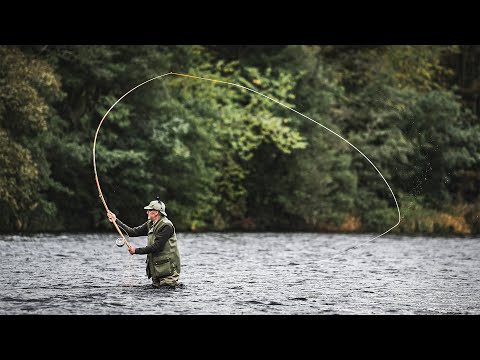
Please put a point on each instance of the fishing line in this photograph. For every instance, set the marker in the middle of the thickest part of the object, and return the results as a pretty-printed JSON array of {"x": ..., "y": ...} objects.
[{"x": 269, "y": 98}]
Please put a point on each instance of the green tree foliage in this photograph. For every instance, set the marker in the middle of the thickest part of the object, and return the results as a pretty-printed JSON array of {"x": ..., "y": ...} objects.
[
  {"x": 233, "y": 124},
  {"x": 27, "y": 86},
  {"x": 399, "y": 113},
  {"x": 222, "y": 157},
  {"x": 94, "y": 77}
]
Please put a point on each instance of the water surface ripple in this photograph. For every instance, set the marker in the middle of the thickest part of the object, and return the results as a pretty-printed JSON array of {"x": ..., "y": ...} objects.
[{"x": 242, "y": 273}]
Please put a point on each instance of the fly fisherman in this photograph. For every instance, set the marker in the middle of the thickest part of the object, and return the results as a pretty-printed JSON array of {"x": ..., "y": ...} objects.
[{"x": 163, "y": 258}]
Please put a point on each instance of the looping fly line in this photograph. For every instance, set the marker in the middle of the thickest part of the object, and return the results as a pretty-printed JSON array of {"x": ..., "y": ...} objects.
[{"x": 258, "y": 93}]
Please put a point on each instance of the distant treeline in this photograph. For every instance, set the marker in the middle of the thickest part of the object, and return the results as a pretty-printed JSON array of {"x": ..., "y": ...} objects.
[{"x": 223, "y": 158}]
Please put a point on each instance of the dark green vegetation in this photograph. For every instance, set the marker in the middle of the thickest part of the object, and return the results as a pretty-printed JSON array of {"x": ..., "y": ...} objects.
[{"x": 223, "y": 158}]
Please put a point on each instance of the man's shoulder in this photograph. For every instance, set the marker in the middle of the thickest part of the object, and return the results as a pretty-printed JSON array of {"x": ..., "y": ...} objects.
[
  {"x": 168, "y": 221},
  {"x": 160, "y": 222},
  {"x": 165, "y": 223}
]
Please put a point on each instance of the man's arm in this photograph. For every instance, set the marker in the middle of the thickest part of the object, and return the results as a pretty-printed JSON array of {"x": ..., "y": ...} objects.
[
  {"x": 137, "y": 231},
  {"x": 161, "y": 238},
  {"x": 141, "y": 230}
]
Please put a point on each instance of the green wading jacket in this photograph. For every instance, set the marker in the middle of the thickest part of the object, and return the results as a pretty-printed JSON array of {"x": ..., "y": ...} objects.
[{"x": 163, "y": 257}]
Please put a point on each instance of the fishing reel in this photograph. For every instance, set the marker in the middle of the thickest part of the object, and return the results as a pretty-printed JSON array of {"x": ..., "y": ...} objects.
[{"x": 120, "y": 242}]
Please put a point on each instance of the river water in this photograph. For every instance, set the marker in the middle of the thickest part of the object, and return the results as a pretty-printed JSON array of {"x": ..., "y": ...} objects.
[{"x": 243, "y": 273}]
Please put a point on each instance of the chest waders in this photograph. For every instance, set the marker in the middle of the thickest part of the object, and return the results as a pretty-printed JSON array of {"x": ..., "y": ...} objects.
[{"x": 165, "y": 262}]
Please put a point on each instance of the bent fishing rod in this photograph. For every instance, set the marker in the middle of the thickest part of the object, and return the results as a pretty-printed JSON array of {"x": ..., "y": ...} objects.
[
  {"x": 269, "y": 98},
  {"x": 100, "y": 194}
]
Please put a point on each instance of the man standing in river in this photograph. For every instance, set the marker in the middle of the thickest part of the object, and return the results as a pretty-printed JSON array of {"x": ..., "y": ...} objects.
[{"x": 163, "y": 258}]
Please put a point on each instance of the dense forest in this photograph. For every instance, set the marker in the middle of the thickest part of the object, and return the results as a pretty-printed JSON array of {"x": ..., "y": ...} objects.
[{"x": 223, "y": 158}]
